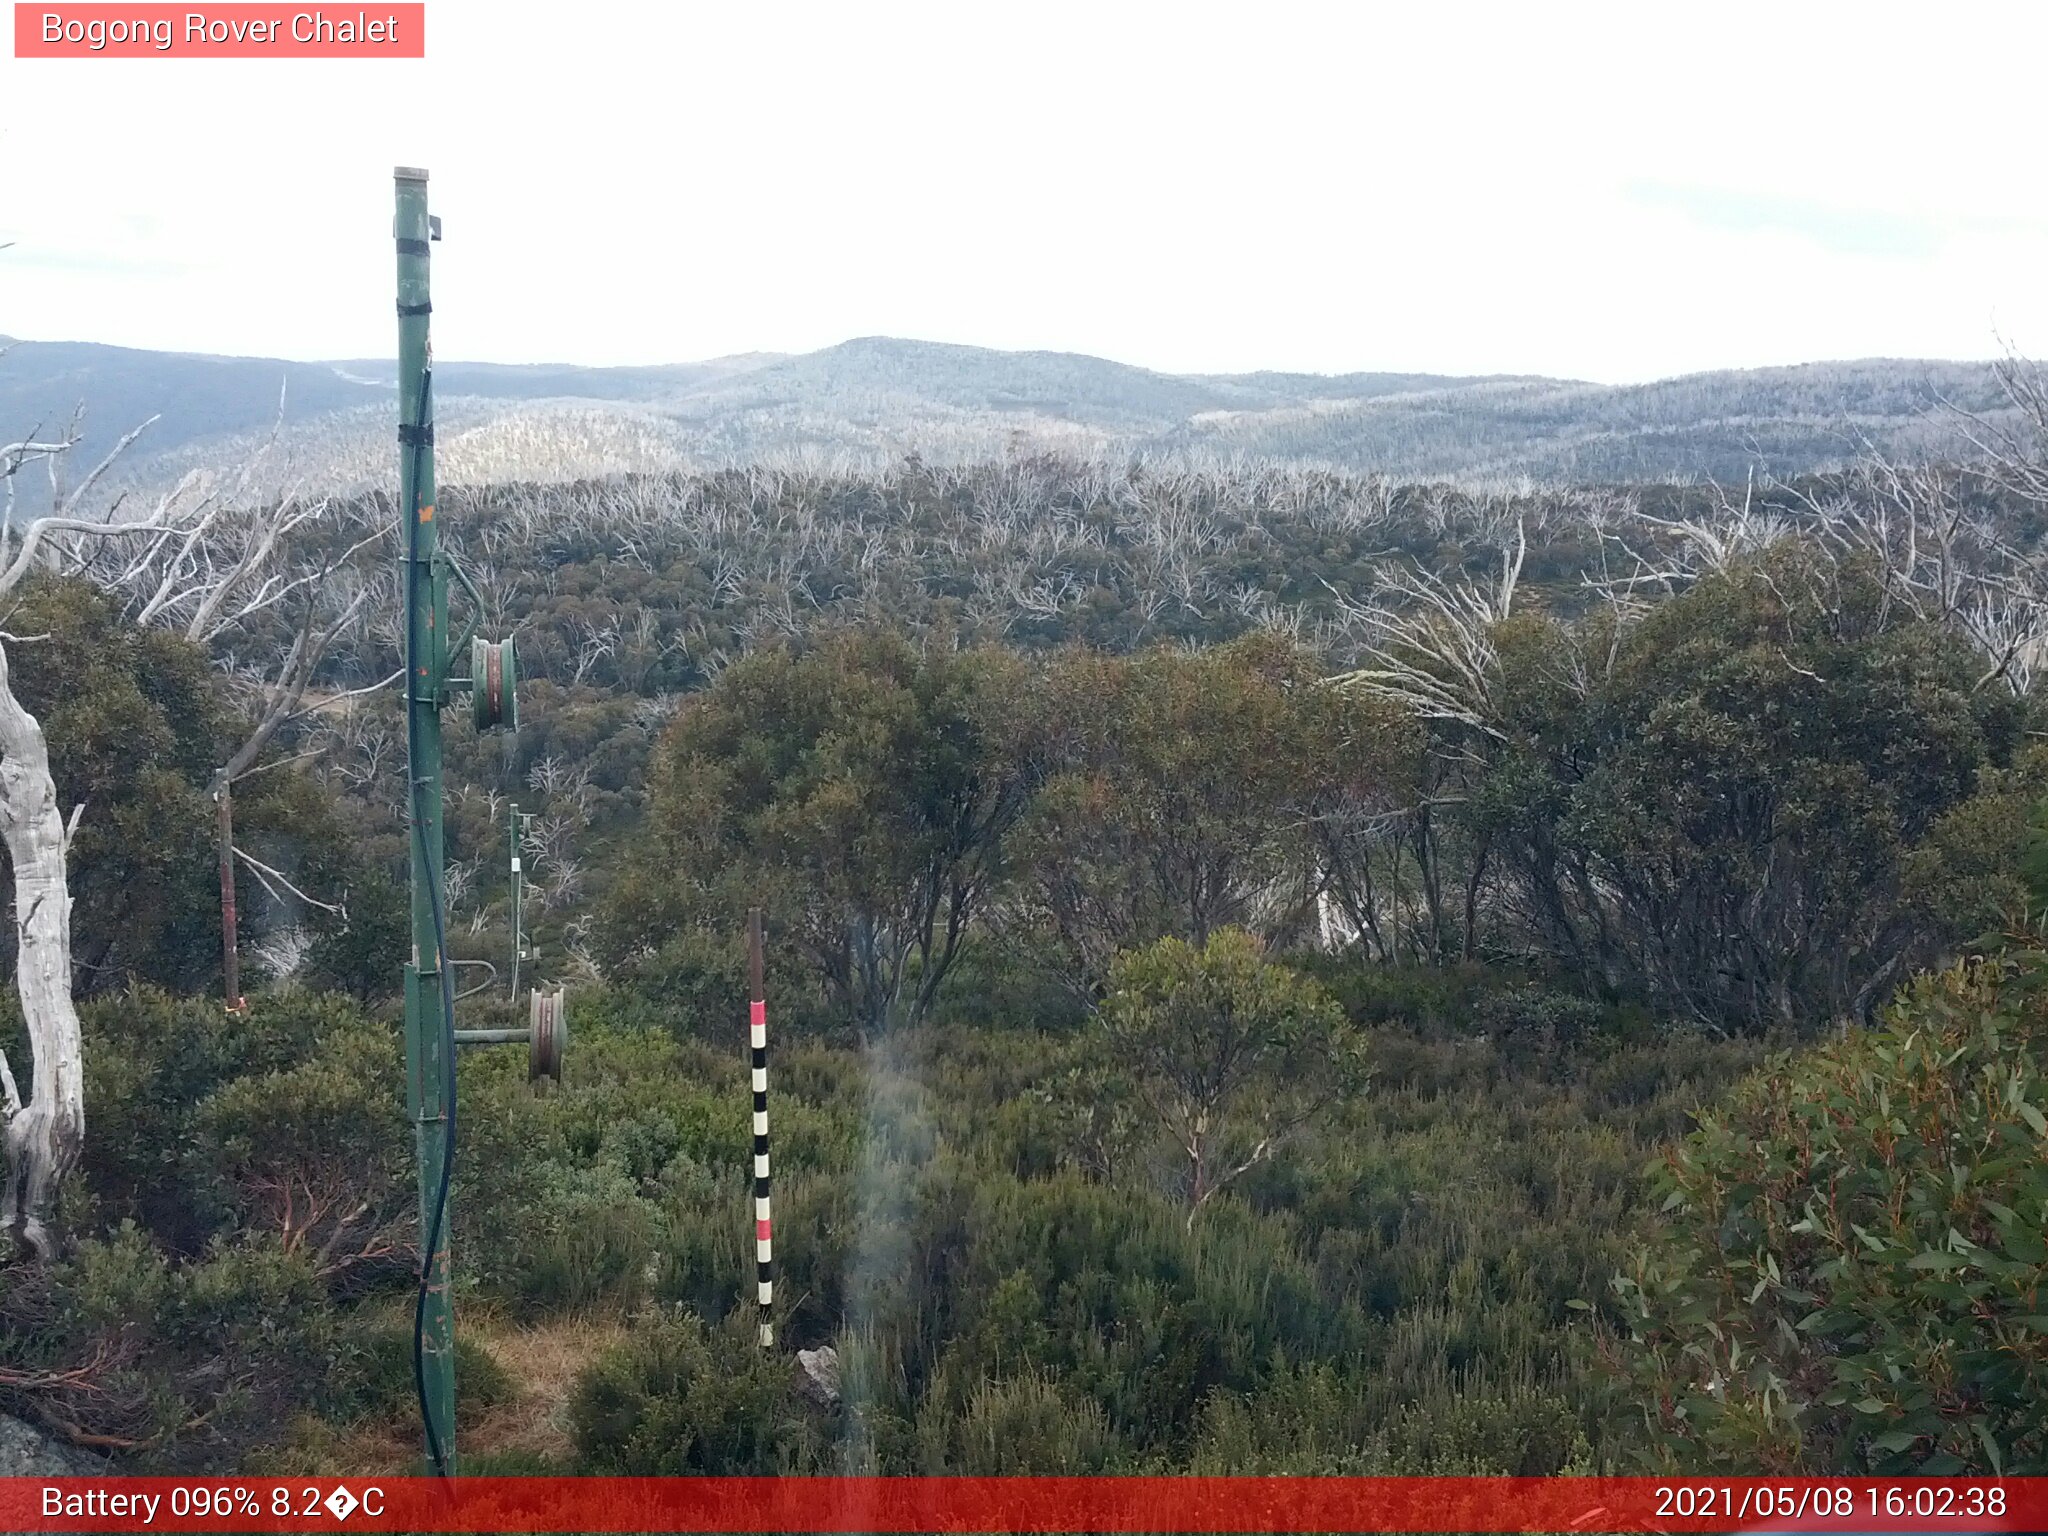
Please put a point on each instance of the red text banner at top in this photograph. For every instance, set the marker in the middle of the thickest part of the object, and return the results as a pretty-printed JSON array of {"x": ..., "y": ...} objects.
[
  {"x": 1027, "y": 1504},
  {"x": 115, "y": 31}
]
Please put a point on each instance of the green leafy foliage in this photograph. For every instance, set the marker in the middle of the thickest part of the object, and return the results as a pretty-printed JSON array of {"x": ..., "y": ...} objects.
[
  {"x": 1850, "y": 1271},
  {"x": 182, "y": 1097},
  {"x": 860, "y": 790},
  {"x": 684, "y": 1399},
  {"x": 193, "y": 1359},
  {"x": 246, "y": 1176},
  {"x": 1723, "y": 817},
  {"x": 315, "y": 1153},
  {"x": 1012, "y": 896},
  {"x": 136, "y": 728},
  {"x": 1186, "y": 792},
  {"x": 1231, "y": 1052},
  {"x": 1002, "y": 1298}
]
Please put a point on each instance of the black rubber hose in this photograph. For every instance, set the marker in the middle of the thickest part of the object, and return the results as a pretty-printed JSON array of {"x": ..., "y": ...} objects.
[{"x": 435, "y": 1450}]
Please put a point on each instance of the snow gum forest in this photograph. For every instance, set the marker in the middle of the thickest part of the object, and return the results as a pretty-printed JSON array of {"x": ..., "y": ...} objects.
[{"x": 1271, "y": 967}]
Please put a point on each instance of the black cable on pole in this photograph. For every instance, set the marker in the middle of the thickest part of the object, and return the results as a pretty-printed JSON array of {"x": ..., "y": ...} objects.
[{"x": 435, "y": 1450}]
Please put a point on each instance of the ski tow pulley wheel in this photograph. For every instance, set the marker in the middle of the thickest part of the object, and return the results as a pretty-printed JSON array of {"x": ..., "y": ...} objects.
[
  {"x": 547, "y": 1036},
  {"x": 493, "y": 686}
]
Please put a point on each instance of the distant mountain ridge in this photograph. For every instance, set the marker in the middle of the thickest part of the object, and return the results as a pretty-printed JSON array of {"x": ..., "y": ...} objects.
[{"x": 877, "y": 398}]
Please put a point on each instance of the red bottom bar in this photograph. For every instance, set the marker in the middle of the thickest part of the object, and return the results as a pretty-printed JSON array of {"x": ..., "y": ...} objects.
[{"x": 916, "y": 1505}]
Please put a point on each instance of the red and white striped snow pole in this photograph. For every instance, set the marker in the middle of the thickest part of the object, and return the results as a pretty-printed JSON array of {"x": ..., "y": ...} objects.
[{"x": 757, "y": 1029}]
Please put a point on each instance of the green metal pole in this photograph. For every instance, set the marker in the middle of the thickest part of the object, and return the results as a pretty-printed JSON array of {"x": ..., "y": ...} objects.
[
  {"x": 430, "y": 1072},
  {"x": 491, "y": 1036}
]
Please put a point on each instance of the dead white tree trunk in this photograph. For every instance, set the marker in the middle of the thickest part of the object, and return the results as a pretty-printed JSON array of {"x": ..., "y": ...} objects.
[{"x": 46, "y": 1131}]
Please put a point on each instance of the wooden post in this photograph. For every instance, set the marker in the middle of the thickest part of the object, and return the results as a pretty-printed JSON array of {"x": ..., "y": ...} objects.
[{"x": 230, "y": 948}]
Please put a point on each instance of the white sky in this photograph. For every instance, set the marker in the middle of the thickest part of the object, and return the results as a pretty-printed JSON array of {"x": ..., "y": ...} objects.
[{"x": 1613, "y": 193}]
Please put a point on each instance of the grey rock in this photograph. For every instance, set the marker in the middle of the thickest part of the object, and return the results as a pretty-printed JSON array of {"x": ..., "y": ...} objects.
[
  {"x": 817, "y": 1375},
  {"x": 27, "y": 1452}
]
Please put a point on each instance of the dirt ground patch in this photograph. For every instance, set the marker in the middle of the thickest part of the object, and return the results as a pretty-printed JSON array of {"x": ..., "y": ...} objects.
[
  {"x": 529, "y": 1427},
  {"x": 543, "y": 1362}
]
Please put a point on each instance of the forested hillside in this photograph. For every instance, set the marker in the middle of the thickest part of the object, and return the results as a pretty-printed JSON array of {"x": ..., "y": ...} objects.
[
  {"x": 1237, "y": 938},
  {"x": 865, "y": 404}
]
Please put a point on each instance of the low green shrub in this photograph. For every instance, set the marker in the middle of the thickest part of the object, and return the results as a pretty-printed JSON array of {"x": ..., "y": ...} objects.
[
  {"x": 679, "y": 1398},
  {"x": 1317, "y": 1420},
  {"x": 181, "y": 1362},
  {"x": 1021, "y": 1425},
  {"x": 1849, "y": 1269},
  {"x": 372, "y": 1371},
  {"x": 318, "y": 1153},
  {"x": 581, "y": 1236}
]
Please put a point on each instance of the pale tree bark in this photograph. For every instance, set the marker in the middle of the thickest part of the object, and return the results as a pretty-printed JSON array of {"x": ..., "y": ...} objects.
[{"x": 46, "y": 1131}]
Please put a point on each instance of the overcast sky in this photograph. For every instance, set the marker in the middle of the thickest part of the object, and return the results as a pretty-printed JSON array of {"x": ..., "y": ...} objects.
[{"x": 1612, "y": 193}]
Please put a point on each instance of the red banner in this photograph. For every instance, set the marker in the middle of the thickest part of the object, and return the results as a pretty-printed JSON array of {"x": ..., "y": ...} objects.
[
  {"x": 227, "y": 31},
  {"x": 1025, "y": 1504}
]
